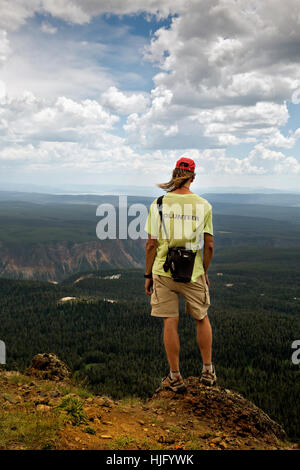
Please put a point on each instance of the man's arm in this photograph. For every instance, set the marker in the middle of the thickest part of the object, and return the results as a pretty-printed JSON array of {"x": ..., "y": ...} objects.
[
  {"x": 151, "y": 247},
  {"x": 208, "y": 251}
]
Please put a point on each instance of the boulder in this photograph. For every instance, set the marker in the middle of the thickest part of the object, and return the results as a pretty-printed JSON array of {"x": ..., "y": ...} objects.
[{"x": 48, "y": 366}]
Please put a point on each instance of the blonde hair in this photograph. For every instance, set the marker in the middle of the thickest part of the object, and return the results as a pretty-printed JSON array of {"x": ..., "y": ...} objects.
[{"x": 179, "y": 178}]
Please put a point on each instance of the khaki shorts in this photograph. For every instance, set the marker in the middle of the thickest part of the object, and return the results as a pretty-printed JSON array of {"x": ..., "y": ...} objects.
[{"x": 164, "y": 298}]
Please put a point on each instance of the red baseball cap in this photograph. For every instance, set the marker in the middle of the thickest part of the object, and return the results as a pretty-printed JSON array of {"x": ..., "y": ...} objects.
[{"x": 186, "y": 164}]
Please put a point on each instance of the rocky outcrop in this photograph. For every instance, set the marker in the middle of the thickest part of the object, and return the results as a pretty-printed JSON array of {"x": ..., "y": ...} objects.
[
  {"x": 225, "y": 409},
  {"x": 48, "y": 366}
]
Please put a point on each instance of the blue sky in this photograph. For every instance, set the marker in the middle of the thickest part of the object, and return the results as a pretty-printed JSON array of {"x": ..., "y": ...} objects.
[{"x": 95, "y": 92}]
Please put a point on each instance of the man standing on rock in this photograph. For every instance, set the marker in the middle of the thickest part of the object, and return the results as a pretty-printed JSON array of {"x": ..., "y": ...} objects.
[{"x": 175, "y": 225}]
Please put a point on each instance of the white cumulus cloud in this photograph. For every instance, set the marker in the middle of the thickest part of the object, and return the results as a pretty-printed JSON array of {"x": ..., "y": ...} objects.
[
  {"x": 124, "y": 103},
  {"x": 230, "y": 66}
]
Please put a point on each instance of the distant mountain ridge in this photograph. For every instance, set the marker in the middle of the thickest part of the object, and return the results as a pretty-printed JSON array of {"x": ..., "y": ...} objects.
[
  {"x": 282, "y": 199},
  {"x": 274, "y": 199},
  {"x": 133, "y": 190}
]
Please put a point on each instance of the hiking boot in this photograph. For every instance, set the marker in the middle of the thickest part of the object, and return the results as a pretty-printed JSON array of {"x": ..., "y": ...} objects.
[
  {"x": 177, "y": 385},
  {"x": 208, "y": 378}
]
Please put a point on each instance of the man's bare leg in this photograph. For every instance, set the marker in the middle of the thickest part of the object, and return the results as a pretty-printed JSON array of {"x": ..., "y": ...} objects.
[
  {"x": 174, "y": 380},
  {"x": 171, "y": 342},
  {"x": 204, "y": 339}
]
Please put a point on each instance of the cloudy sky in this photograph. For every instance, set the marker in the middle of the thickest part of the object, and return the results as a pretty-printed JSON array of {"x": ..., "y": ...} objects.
[{"x": 99, "y": 92}]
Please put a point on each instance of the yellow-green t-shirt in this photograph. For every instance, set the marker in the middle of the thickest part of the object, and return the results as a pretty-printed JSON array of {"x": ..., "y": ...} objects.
[{"x": 186, "y": 218}]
